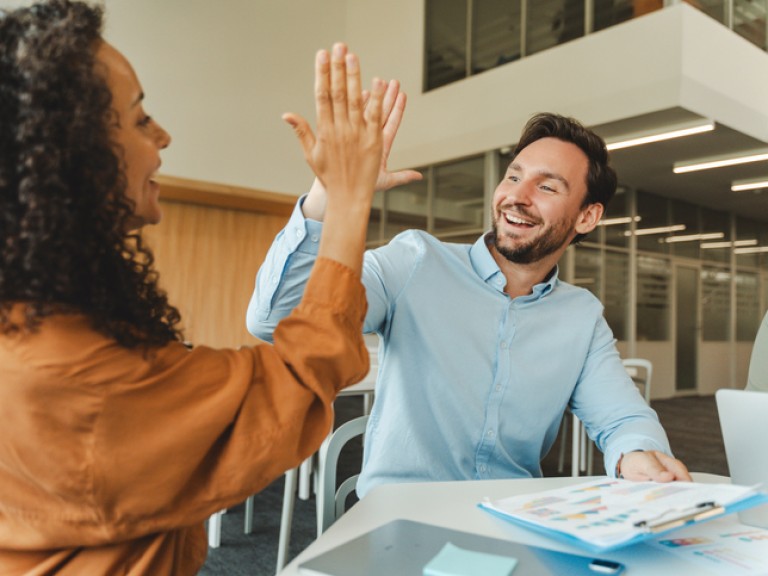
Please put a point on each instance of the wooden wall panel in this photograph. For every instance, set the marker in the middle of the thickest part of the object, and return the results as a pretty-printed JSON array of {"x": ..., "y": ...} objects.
[{"x": 207, "y": 258}]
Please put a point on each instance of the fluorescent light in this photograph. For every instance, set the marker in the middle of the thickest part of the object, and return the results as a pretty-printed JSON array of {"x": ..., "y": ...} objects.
[
  {"x": 646, "y": 138},
  {"x": 753, "y": 250},
  {"x": 734, "y": 244},
  {"x": 720, "y": 161},
  {"x": 755, "y": 184},
  {"x": 692, "y": 237},
  {"x": 659, "y": 230},
  {"x": 621, "y": 220}
]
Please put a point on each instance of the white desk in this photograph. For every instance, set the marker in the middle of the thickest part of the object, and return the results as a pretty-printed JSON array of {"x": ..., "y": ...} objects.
[{"x": 454, "y": 505}]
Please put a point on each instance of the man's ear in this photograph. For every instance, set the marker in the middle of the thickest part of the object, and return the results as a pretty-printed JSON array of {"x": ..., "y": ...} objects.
[{"x": 589, "y": 217}]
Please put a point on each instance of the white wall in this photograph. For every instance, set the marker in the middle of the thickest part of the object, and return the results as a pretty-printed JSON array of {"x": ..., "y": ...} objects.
[{"x": 218, "y": 76}]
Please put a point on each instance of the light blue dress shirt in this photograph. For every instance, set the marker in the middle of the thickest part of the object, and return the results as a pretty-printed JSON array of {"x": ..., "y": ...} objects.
[{"x": 472, "y": 384}]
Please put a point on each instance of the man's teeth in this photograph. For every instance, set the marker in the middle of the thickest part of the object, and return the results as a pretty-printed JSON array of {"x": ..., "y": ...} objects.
[{"x": 514, "y": 220}]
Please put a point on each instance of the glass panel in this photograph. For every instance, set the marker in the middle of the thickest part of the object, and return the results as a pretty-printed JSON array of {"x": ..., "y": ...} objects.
[
  {"x": 618, "y": 207},
  {"x": 688, "y": 215},
  {"x": 458, "y": 205},
  {"x": 446, "y": 39},
  {"x": 495, "y": 33},
  {"x": 588, "y": 269},
  {"x": 713, "y": 8},
  {"x": 406, "y": 207},
  {"x": 653, "y": 297},
  {"x": 747, "y": 306},
  {"x": 573, "y": 20},
  {"x": 749, "y": 20},
  {"x": 764, "y": 306},
  {"x": 715, "y": 221},
  {"x": 616, "y": 290},
  {"x": 545, "y": 25},
  {"x": 653, "y": 214},
  {"x": 610, "y": 12},
  {"x": 715, "y": 303},
  {"x": 747, "y": 230},
  {"x": 686, "y": 337},
  {"x": 763, "y": 241}
]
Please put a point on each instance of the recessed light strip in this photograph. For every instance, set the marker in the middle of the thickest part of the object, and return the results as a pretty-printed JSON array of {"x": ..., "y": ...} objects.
[
  {"x": 697, "y": 128},
  {"x": 620, "y": 220},
  {"x": 742, "y": 185},
  {"x": 754, "y": 250},
  {"x": 659, "y": 230},
  {"x": 720, "y": 162},
  {"x": 692, "y": 237},
  {"x": 734, "y": 244}
]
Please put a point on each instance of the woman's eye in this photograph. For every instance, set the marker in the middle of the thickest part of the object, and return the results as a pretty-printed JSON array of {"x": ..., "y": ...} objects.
[{"x": 145, "y": 120}]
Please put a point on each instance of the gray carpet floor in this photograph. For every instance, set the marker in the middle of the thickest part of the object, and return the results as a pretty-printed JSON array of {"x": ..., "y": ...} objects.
[{"x": 691, "y": 423}]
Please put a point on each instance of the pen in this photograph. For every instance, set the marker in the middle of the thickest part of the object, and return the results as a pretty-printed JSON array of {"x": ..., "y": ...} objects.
[{"x": 661, "y": 522}]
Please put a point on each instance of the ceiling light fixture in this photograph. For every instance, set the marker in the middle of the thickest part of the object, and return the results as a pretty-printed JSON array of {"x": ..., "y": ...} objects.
[
  {"x": 659, "y": 230},
  {"x": 692, "y": 237},
  {"x": 620, "y": 220},
  {"x": 687, "y": 129},
  {"x": 734, "y": 244},
  {"x": 754, "y": 184},
  {"x": 720, "y": 161},
  {"x": 753, "y": 250}
]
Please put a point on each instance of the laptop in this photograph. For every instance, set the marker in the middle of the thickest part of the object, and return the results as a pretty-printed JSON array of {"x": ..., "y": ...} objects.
[
  {"x": 405, "y": 547},
  {"x": 744, "y": 423}
]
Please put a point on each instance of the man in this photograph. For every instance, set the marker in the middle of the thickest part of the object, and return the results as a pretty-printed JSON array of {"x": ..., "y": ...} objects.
[{"x": 482, "y": 347}]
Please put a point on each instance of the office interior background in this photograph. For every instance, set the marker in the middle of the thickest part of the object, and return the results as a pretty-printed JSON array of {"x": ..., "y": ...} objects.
[{"x": 679, "y": 262}]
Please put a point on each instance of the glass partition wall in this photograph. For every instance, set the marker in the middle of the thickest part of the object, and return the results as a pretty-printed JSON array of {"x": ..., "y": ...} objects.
[
  {"x": 689, "y": 296},
  {"x": 467, "y": 37}
]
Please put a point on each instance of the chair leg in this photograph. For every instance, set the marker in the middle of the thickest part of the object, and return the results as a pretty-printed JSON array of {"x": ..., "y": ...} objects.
[
  {"x": 214, "y": 530},
  {"x": 575, "y": 446},
  {"x": 286, "y": 520},
  {"x": 248, "y": 521},
  {"x": 305, "y": 477}
]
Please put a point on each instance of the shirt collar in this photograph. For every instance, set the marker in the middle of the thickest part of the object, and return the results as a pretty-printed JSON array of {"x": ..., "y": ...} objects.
[{"x": 487, "y": 269}]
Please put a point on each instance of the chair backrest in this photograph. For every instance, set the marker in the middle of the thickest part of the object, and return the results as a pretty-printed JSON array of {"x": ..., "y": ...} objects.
[
  {"x": 641, "y": 371},
  {"x": 330, "y": 501}
]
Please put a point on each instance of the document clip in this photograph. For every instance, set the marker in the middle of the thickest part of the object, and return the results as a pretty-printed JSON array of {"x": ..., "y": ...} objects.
[{"x": 676, "y": 518}]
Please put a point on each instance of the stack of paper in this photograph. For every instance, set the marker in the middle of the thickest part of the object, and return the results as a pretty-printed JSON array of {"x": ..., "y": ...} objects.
[{"x": 605, "y": 514}]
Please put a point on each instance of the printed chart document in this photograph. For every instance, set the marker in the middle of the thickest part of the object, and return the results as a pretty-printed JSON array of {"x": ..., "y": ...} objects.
[
  {"x": 605, "y": 514},
  {"x": 721, "y": 547}
]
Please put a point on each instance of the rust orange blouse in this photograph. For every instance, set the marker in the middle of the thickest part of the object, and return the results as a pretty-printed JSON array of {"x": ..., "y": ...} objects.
[{"x": 110, "y": 460}]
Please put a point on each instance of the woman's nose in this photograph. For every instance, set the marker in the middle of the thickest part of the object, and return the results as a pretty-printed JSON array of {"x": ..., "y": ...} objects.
[{"x": 162, "y": 137}]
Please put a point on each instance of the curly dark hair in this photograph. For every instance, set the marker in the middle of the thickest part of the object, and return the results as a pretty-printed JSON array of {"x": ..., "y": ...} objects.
[
  {"x": 601, "y": 177},
  {"x": 65, "y": 244}
]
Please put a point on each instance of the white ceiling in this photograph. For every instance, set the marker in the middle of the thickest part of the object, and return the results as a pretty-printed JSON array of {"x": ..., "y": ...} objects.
[{"x": 649, "y": 167}]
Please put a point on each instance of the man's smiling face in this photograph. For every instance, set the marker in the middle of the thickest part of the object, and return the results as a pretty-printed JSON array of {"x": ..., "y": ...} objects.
[{"x": 538, "y": 205}]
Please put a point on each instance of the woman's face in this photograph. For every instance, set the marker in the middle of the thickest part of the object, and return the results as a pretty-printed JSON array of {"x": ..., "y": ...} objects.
[{"x": 137, "y": 135}]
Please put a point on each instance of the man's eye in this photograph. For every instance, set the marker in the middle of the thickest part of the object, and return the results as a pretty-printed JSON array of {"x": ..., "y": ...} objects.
[{"x": 145, "y": 121}]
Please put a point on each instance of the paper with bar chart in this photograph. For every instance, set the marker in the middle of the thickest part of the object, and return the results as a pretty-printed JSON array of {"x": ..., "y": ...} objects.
[{"x": 605, "y": 514}]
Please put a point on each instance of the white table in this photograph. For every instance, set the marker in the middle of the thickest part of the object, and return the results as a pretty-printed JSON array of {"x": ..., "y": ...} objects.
[{"x": 454, "y": 505}]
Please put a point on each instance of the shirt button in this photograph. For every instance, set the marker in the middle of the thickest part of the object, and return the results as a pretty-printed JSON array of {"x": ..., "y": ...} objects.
[
  {"x": 498, "y": 387},
  {"x": 274, "y": 279},
  {"x": 504, "y": 345},
  {"x": 315, "y": 238},
  {"x": 482, "y": 468},
  {"x": 298, "y": 233},
  {"x": 490, "y": 433}
]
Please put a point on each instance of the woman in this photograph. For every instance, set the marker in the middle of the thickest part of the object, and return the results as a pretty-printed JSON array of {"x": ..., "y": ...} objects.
[{"x": 116, "y": 442}]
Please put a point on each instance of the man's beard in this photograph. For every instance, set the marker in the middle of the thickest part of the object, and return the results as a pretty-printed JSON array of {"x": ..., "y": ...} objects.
[{"x": 536, "y": 249}]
